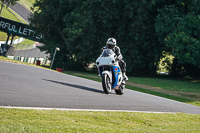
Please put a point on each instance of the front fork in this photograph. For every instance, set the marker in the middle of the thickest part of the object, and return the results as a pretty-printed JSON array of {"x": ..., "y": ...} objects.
[{"x": 108, "y": 72}]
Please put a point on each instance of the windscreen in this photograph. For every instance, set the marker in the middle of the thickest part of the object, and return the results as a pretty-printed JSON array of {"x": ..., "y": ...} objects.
[{"x": 107, "y": 53}]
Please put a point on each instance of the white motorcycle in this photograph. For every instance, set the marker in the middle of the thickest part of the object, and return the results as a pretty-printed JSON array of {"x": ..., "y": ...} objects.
[{"x": 110, "y": 72}]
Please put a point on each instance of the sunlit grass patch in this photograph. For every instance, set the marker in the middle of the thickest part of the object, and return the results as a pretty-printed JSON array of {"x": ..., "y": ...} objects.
[{"x": 18, "y": 120}]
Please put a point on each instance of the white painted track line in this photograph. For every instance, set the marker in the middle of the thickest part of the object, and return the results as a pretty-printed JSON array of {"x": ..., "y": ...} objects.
[{"x": 67, "y": 109}]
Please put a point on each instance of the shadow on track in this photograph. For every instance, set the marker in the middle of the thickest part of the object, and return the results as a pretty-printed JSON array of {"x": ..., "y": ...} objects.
[{"x": 76, "y": 86}]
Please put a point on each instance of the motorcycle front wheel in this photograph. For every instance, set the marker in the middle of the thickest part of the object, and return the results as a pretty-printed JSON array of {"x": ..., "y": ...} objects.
[{"x": 106, "y": 83}]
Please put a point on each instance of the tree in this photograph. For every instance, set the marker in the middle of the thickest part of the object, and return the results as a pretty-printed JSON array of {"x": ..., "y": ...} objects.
[
  {"x": 7, "y": 3},
  {"x": 81, "y": 28},
  {"x": 48, "y": 19},
  {"x": 185, "y": 39},
  {"x": 178, "y": 29}
]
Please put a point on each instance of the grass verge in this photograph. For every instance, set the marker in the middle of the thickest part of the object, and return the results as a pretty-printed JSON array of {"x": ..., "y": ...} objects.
[
  {"x": 27, "y": 44},
  {"x": 27, "y": 3},
  {"x": 5, "y": 59},
  {"x": 19, "y": 120}
]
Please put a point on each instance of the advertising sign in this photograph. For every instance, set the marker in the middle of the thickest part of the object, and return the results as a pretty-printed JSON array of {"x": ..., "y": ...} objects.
[{"x": 18, "y": 29}]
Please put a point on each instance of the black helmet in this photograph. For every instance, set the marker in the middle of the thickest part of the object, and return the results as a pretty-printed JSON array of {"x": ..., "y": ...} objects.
[{"x": 111, "y": 43}]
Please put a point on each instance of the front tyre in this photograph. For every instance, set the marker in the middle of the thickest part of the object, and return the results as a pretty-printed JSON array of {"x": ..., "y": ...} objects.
[
  {"x": 106, "y": 83},
  {"x": 120, "y": 91}
]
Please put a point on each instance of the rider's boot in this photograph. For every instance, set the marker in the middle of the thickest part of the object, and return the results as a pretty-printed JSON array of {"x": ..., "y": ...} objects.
[{"x": 125, "y": 77}]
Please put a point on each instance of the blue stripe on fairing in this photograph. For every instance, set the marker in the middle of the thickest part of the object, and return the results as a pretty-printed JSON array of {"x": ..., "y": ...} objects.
[{"x": 116, "y": 75}]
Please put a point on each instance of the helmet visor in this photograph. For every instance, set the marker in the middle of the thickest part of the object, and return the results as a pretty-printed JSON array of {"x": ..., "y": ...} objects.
[{"x": 110, "y": 46}]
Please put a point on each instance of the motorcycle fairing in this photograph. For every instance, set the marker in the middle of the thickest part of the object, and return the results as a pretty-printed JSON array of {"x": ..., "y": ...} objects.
[{"x": 117, "y": 80}]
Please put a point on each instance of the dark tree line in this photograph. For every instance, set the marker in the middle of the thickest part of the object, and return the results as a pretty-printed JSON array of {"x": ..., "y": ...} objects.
[{"x": 144, "y": 29}]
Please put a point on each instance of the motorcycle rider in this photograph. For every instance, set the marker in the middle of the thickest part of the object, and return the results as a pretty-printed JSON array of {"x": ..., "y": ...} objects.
[{"x": 111, "y": 44}]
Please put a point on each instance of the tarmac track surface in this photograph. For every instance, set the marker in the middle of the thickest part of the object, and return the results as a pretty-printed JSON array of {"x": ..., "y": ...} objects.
[
  {"x": 27, "y": 86},
  {"x": 21, "y": 11}
]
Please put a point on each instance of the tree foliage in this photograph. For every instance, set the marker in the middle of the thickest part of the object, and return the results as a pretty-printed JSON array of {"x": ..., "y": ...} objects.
[
  {"x": 178, "y": 29},
  {"x": 143, "y": 30}
]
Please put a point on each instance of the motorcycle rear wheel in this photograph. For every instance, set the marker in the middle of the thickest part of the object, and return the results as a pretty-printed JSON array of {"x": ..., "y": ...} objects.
[
  {"x": 121, "y": 90},
  {"x": 106, "y": 83}
]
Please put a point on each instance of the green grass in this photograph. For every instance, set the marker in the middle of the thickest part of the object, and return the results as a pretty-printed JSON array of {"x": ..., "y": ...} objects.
[
  {"x": 5, "y": 59},
  {"x": 27, "y": 3},
  {"x": 3, "y": 36},
  {"x": 168, "y": 84},
  {"x": 184, "y": 99},
  {"x": 19, "y": 120},
  {"x": 27, "y": 44},
  {"x": 8, "y": 15}
]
